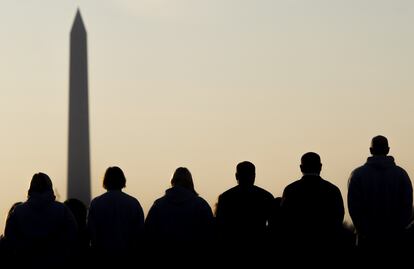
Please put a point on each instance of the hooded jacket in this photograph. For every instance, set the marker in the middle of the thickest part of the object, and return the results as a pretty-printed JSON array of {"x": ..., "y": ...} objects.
[
  {"x": 180, "y": 216},
  {"x": 380, "y": 198},
  {"x": 41, "y": 229}
]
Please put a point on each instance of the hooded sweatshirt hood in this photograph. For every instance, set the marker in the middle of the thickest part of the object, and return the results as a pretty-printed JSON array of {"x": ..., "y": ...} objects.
[
  {"x": 179, "y": 195},
  {"x": 41, "y": 199},
  {"x": 381, "y": 162},
  {"x": 380, "y": 197}
]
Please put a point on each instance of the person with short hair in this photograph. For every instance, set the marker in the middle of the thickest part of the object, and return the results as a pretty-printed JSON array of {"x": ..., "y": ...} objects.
[
  {"x": 312, "y": 208},
  {"x": 380, "y": 197},
  {"x": 242, "y": 212}
]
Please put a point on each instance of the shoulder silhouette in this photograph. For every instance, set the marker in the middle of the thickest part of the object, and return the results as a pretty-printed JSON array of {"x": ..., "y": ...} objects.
[{"x": 5, "y": 250}]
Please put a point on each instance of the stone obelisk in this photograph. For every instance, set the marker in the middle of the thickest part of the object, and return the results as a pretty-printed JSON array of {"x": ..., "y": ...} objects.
[{"x": 79, "y": 178}]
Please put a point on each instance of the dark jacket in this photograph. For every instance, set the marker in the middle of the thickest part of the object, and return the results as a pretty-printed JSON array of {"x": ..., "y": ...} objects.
[
  {"x": 313, "y": 211},
  {"x": 242, "y": 213},
  {"x": 116, "y": 225},
  {"x": 41, "y": 231},
  {"x": 180, "y": 216},
  {"x": 380, "y": 197}
]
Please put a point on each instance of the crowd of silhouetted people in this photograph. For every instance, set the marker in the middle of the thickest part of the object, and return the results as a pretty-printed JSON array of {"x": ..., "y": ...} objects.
[{"x": 249, "y": 225}]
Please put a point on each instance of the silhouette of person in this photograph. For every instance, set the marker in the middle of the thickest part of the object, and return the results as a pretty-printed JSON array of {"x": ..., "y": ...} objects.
[
  {"x": 313, "y": 210},
  {"x": 40, "y": 231},
  {"x": 5, "y": 251},
  {"x": 380, "y": 197},
  {"x": 79, "y": 211},
  {"x": 180, "y": 221},
  {"x": 242, "y": 214},
  {"x": 115, "y": 222},
  {"x": 276, "y": 220},
  {"x": 12, "y": 209}
]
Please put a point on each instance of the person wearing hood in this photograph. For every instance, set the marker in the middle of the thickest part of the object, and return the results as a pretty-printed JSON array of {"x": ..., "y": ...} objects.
[
  {"x": 181, "y": 218},
  {"x": 40, "y": 231},
  {"x": 380, "y": 197}
]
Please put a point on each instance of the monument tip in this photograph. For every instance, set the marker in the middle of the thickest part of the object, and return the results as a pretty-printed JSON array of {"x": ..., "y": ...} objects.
[{"x": 78, "y": 21}]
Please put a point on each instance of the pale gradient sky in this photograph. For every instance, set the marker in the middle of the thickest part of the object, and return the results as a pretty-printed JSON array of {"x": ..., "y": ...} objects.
[{"x": 206, "y": 84}]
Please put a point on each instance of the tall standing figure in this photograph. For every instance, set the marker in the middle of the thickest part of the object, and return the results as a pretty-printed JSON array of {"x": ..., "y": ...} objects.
[
  {"x": 115, "y": 222},
  {"x": 313, "y": 210},
  {"x": 243, "y": 212},
  {"x": 180, "y": 221},
  {"x": 380, "y": 197}
]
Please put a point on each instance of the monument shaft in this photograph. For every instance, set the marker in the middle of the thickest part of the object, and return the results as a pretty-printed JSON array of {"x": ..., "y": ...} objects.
[{"x": 78, "y": 147}]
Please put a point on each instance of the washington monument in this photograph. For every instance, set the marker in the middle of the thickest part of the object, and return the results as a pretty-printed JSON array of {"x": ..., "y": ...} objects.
[{"x": 79, "y": 175}]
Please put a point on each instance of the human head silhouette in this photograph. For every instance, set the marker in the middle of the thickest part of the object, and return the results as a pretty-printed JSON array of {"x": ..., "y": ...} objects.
[
  {"x": 182, "y": 177},
  {"x": 310, "y": 163},
  {"x": 40, "y": 183},
  {"x": 79, "y": 211},
  {"x": 114, "y": 179},
  {"x": 379, "y": 146},
  {"x": 245, "y": 173}
]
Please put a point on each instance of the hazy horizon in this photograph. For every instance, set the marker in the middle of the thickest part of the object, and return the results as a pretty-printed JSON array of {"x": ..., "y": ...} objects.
[{"x": 205, "y": 85}]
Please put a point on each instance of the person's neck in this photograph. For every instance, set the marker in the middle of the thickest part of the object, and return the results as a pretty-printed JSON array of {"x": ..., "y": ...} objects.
[
  {"x": 311, "y": 174},
  {"x": 244, "y": 185}
]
